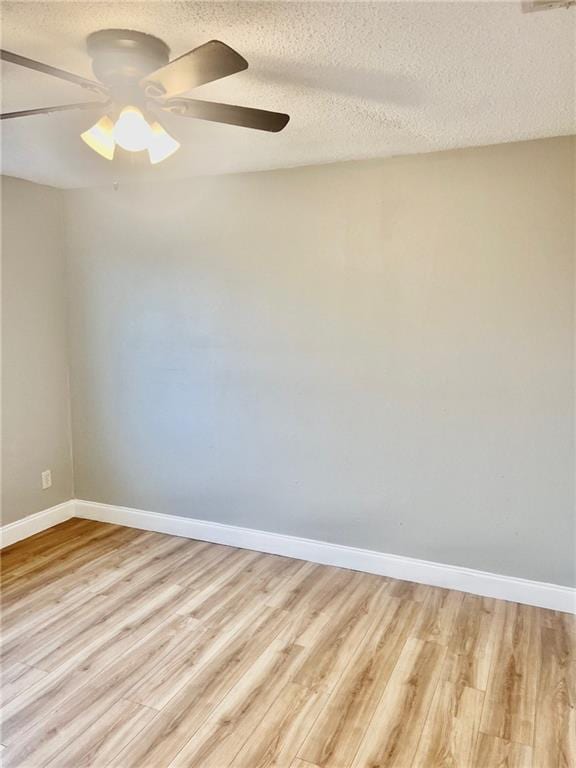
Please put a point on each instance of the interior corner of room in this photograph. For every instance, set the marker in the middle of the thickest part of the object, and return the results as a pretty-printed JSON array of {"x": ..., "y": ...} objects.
[
  {"x": 288, "y": 390},
  {"x": 393, "y": 377}
]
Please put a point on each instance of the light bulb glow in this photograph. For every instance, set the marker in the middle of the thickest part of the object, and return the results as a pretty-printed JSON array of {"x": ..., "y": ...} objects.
[
  {"x": 161, "y": 144},
  {"x": 100, "y": 137},
  {"x": 131, "y": 131}
]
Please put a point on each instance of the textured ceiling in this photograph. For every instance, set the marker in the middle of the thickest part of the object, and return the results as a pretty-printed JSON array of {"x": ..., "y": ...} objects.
[{"x": 359, "y": 80}]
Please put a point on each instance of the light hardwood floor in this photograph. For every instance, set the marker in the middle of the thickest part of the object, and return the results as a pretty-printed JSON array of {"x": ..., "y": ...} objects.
[{"x": 131, "y": 649}]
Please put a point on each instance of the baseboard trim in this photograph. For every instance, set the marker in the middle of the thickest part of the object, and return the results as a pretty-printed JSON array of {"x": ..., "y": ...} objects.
[
  {"x": 39, "y": 521},
  {"x": 541, "y": 594}
]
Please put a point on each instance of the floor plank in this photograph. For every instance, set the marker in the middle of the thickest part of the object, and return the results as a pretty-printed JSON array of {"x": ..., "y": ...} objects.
[
  {"x": 451, "y": 730},
  {"x": 198, "y": 695},
  {"x": 131, "y": 649},
  {"x": 510, "y": 703},
  {"x": 492, "y": 751},
  {"x": 17, "y": 678},
  {"x": 220, "y": 738},
  {"x": 472, "y": 643},
  {"x": 345, "y": 719},
  {"x": 277, "y": 738},
  {"x": 397, "y": 723},
  {"x": 555, "y": 732}
]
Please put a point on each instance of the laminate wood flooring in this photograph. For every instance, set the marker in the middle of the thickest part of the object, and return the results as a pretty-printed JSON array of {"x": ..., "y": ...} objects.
[{"x": 129, "y": 649}]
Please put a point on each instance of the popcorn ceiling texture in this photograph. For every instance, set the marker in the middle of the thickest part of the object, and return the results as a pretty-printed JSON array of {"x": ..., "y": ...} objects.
[{"x": 360, "y": 80}]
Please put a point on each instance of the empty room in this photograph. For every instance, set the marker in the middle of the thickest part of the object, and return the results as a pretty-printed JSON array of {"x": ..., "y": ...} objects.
[{"x": 288, "y": 384}]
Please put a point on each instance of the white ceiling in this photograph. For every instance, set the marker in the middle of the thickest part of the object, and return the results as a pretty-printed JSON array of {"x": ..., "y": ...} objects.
[{"x": 359, "y": 80}]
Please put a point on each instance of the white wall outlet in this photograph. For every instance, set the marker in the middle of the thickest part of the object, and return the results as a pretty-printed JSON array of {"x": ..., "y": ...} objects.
[{"x": 46, "y": 479}]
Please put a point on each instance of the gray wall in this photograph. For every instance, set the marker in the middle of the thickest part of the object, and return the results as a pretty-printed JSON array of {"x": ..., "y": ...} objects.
[
  {"x": 377, "y": 354},
  {"x": 35, "y": 393}
]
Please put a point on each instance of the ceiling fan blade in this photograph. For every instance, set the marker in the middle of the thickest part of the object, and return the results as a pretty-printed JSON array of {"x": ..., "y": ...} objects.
[
  {"x": 209, "y": 62},
  {"x": 48, "y": 110},
  {"x": 22, "y": 61},
  {"x": 260, "y": 119}
]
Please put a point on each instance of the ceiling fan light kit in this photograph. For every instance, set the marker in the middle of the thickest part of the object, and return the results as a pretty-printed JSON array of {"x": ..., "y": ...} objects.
[
  {"x": 160, "y": 145},
  {"x": 134, "y": 73},
  {"x": 132, "y": 133},
  {"x": 100, "y": 137}
]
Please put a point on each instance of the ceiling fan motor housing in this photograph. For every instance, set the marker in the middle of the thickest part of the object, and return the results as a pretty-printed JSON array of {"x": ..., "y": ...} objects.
[
  {"x": 122, "y": 57},
  {"x": 134, "y": 73}
]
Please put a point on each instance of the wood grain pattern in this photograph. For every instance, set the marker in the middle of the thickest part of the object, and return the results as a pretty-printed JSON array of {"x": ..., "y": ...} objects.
[
  {"x": 451, "y": 728},
  {"x": 345, "y": 719},
  {"x": 555, "y": 738},
  {"x": 400, "y": 716},
  {"x": 508, "y": 754},
  {"x": 129, "y": 649},
  {"x": 510, "y": 703}
]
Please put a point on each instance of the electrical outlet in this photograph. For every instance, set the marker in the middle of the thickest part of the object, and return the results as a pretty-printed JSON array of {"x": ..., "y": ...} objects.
[{"x": 46, "y": 479}]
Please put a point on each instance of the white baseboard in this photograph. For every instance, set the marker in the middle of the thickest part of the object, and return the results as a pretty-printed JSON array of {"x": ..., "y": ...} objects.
[
  {"x": 536, "y": 593},
  {"x": 543, "y": 595},
  {"x": 28, "y": 526}
]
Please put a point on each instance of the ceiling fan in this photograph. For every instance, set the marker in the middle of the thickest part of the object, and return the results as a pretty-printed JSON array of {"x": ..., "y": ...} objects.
[{"x": 136, "y": 81}]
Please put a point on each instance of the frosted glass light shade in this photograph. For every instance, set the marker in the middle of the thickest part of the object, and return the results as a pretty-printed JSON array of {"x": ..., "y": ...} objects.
[
  {"x": 100, "y": 137},
  {"x": 161, "y": 144},
  {"x": 131, "y": 131}
]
